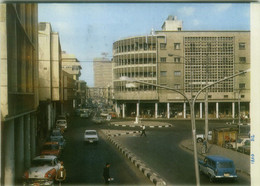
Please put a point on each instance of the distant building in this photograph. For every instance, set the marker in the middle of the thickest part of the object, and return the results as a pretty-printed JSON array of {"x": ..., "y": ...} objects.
[
  {"x": 71, "y": 65},
  {"x": 102, "y": 68},
  {"x": 19, "y": 89},
  {"x": 186, "y": 61}
]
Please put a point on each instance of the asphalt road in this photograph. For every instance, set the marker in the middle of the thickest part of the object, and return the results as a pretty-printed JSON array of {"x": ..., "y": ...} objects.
[
  {"x": 84, "y": 162},
  {"x": 160, "y": 150}
]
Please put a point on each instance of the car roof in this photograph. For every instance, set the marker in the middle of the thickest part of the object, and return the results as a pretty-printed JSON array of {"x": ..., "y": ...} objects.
[
  {"x": 90, "y": 131},
  {"x": 45, "y": 157},
  {"x": 218, "y": 158}
]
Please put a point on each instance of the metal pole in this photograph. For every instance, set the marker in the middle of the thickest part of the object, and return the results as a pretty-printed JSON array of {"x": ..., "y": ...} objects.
[
  {"x": 193, "y": 126},
  {"x": 239, "y": 107},
  {"x": 206, "y": 104}
]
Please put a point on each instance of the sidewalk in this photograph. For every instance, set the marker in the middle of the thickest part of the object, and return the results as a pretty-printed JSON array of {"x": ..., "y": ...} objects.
[{"x": 242, "y": 161}]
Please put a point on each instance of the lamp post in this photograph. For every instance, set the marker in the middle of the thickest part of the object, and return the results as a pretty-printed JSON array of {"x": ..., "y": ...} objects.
[{"x": 192, "y": 105}]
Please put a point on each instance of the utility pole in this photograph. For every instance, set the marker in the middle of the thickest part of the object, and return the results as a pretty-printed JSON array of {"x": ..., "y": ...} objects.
[{"x": 206, "y": 102}]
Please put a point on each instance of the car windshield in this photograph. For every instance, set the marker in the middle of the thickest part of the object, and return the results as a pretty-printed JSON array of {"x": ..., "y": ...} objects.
[
  {"x": 91, "y": 133},
  {"x": 239, "y": 140},
  {"x": 247, "y": 142},
  {"x": 41, "y": 162},
  {"x": 227, "y": 164},
  {"x": 50, "y": 147}
]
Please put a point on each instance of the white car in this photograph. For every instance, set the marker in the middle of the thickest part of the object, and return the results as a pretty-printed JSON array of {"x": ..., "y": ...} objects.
[
  {"x": 61, "y": 123},
  {"x": 43, "y": 170},
  {"x": 90, "y": 136}
]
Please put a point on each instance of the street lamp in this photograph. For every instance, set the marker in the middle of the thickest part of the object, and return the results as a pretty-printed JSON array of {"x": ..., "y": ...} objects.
[{"x": 192, "y": 105}]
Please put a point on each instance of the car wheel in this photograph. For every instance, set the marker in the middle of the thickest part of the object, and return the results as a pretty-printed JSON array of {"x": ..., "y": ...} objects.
[{"x": 199, "y": 140}]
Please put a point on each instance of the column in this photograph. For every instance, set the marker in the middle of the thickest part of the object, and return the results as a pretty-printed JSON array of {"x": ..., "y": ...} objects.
[
  {"x": 33, "y": 135},
  {"x": 184, "y": 110},
  {"x": 27, "y": 142},
  {"x": 49, "y": 116},
  {"x": 168, "y": 110},
  {"x": 233, "y": 110},
  {"x": 217, "y": 110},
  {"x": 19, "y": 148},
  {"x": 137, "y": 109},
  {"x": 123, "y": 110},
  {"x": 156, "y": 110},
  {"x": 9, "y": 163},
  {"x": 200, "y": 110}
]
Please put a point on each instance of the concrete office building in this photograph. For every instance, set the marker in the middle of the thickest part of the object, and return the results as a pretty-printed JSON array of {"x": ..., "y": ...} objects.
[
  {"x": 71, "y": 65},
  {"x": 50, "y": 76},
  {"x": 19, "y": 89},
  {"x": 186, "y": 61},
  {"x": 102, "y": 68}
]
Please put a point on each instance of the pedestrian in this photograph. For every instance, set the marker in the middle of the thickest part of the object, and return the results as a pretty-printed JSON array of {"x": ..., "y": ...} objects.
[
  {"x": 205, "y": 145},
  {"x": 143, "y": 131},
  {"x": 106, "y": 175}
]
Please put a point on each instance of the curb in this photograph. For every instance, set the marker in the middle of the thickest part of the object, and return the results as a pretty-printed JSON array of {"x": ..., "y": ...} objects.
[
  {"x": 150, "y": 126},
  {"x": 201, "y": 154},
  {"x": 153, "y": 177},
  {"x": 124, "y": 133}
]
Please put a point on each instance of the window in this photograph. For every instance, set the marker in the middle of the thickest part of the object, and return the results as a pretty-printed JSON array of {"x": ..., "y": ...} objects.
[
  {"x": 225, "y": 96},
  {"x": 162, "y": 46},
  {"x": 242, "y": 59},
  {"x": 177, "y": 60},
  {"x": 177, "y": 73},
  {"x": 179, "y": 28},
  {"x": 242, "y": 85},
  {"x": 209, "y": 96},
  {"x": 177, "y": 46},
  {"x": 242, "y": 96},
  {"x": 242, "y": 46},
  {"x": 163, "y": 59},
  {"x": 163, "y": 73},
  {"x": 177, "y": 86}
]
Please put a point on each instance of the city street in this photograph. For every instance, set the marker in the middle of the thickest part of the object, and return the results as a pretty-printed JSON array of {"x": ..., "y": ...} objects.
[
  {"x": 160, "y": 150},
  {"x": 85, "y": 162}
]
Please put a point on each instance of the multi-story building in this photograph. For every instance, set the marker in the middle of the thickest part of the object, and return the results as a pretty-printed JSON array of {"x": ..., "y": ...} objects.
[
  {"x": 19, "y": 89},
  {"x": 69, "y": 91},
  {"x": 81, "y": 93},
  {"x": 50, "y": 89},
  {"x": 185, "y": 61},
  {"x": 102, "y": 68},
  {"x": 71, "y": 65}
]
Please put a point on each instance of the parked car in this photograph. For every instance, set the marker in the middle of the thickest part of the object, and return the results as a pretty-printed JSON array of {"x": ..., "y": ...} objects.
[
  {"x": 240, "y": 142},
  {"x": 90, "y": 136},
  {"x": 43, "y": 170},
  {"x": 61, "y": 141},
  {"x": 218, "y": 167},
  {"x": 200, "y": 137},
  {"x": 245, "y": 148},
  {"x": 51, "y": 148},
  {"x": 62, "y": 124},
  {"x": 56, "y": 133}
]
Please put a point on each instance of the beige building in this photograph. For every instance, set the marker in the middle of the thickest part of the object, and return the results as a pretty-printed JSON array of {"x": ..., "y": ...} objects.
[
  {"x": 71, "y": 65},
  {"x": 102, "y": 68},
  {"x": 186, "y": 61},
  {"x": 19, "y": 89}
]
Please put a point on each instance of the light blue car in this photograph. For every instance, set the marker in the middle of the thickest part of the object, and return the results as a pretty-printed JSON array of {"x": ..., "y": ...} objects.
[{"x": 218, "y": 167}]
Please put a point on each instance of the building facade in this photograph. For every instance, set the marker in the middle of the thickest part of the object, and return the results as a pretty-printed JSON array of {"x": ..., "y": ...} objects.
[
  {"x": 185, "y": 61},
  {"x": 19, "y": 89},
  {"x": 71, "y": 65}
]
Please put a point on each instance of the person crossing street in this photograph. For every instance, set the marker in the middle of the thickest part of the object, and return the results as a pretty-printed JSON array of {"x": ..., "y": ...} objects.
[{"x": 143, "y": 130}]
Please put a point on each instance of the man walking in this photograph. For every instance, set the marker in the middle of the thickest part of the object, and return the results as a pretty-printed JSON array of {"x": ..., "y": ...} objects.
[
  {"x": 143, "y": 131},
  {"x": 106, "y": 173}
]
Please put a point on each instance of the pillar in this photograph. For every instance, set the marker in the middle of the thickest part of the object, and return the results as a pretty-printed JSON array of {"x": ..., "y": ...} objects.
[
  {"x": 168, "y": 110},
  {"x": 156, "y": 110},
  {"x": 9, "y": 163},
  {"x": 233, "y": 110},
  {"x": 123, "y": 110},
  {"x": 200, "y": 110},
  {"x": 137, "y": 109},
  {"x": 33, "y": 135},
  {"x": 19, "y": 148},
  {"x": 184, "y": 110},
  {"x": 217, "y": 116},
  {"x": 49, "y": 116},
  {"x": 27, "y": 142}
]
